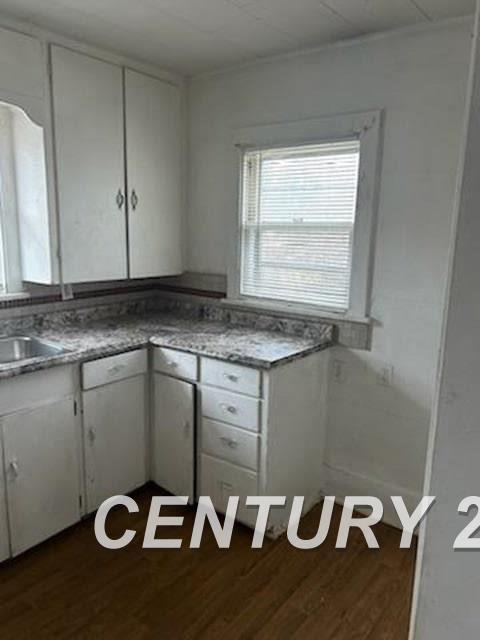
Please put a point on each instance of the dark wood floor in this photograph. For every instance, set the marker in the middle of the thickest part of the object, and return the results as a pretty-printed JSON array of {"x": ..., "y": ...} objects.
[{"x": 70, "y": 587}]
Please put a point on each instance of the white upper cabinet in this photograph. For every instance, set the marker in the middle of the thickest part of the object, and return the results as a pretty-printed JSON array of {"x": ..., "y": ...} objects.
[
  {"x": 89, "y": 140},
  {"x": 153, "y": 131},
  {"x": 118, "y": 147}
]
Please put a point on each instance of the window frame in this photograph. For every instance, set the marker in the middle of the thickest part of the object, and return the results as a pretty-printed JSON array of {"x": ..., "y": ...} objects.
[{"x": 364, "y": 126}]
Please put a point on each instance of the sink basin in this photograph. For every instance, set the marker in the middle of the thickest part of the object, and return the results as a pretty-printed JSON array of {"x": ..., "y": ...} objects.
[{"x": 19, "y": 348}]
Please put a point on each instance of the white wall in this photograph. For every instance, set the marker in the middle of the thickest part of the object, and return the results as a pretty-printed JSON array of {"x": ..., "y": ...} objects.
[
  {"x": 377, "y": 434},
  {"x": 449, "y": 581}
]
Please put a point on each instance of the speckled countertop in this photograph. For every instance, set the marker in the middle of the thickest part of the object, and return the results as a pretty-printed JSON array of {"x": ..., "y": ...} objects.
[{"x": 220, "y": 340}]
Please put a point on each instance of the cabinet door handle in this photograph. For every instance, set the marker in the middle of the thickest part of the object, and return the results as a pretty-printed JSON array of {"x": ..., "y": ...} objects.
[
  {"x": 120, "y": 199},
  {"x": 14, "y": 468},
  {"x": 228, "y": 442},
  {"x": 134, "y": 199},
  {"x": 228, "y": 407}
]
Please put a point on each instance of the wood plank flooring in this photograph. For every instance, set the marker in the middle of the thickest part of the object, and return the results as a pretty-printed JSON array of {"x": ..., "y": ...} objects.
[{"x": 70, "y": 587}]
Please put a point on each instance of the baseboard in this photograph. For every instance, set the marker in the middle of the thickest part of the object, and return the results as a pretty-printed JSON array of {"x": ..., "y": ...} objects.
[{"x": 340, "y": 483}]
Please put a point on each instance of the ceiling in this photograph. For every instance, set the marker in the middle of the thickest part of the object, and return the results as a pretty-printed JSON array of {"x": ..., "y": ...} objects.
[{"x": 191, "y": 36}]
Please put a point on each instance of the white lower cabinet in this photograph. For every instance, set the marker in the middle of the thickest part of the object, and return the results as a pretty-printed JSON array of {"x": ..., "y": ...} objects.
[
  {"x": 219, "y": 480},
  {"x": 262, "y": 433},
  {"x": 256, "y": 432},
  {"x": 40, "y": 453},
  {"x": 114, "y": 417},
  {"x": 173, "y": 435}
]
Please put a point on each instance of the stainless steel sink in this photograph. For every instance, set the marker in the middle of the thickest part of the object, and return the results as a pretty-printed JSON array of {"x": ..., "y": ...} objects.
[{"x": 19, "y": 348}]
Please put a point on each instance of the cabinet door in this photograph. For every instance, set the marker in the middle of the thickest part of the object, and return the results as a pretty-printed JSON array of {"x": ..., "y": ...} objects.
[
  {"x": 42, "y": 473},
  {"x": 4, "y": 538},
  {"x": 115, "y": 439},
  {"x": 88, "y": 119},
  {"x": 173, "y": 436},
  {"x": 154, "y": 143}
]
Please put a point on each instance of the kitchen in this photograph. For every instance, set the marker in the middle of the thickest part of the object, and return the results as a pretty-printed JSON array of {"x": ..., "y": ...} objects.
[{"x": 224, "y": 269}]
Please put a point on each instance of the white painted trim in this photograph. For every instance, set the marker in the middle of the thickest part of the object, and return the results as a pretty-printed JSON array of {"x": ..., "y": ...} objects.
[
  {"x": 419, "y": 28},
  {"x": 365, "y": 126},
  {"x": 341, "y": 483}
]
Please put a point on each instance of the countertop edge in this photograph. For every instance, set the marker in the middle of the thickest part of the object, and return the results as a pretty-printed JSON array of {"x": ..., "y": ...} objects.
[{"x": 81, "y": 356}]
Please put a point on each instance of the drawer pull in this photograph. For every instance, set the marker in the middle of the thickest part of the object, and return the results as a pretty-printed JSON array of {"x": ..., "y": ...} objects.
[
  {"x": 116, "y": 369},
  {"x": 228, "y": 442},
  {"x": 228, "y": 407},
  {"x": 231, "y": 377},
  {"x": 173, "y": 364}
]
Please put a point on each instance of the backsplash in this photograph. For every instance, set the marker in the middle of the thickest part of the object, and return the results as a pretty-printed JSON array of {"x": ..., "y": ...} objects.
[{"x": 82, "y": 311}]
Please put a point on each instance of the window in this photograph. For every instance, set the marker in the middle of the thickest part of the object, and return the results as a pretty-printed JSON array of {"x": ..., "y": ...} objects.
[
  {"x": 298, "y": 216},
  {"x": 306, "y": 215},
  {"x": 23, "y": 199}
]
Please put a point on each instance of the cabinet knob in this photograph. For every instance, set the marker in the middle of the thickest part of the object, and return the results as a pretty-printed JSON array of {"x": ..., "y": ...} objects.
[
  {"x": 228, "y": 407},
  {"x": 91, "y": 435},
  {"x": 134, "y": 199},
  {"x": 186, "y": 427},
  {"x": 14, "y": 468},
  {"x": 120, "y": 199},
  {"x": 228, "y": 442}
]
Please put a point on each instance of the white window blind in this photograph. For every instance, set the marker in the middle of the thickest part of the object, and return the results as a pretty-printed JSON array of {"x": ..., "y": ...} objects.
[{"x": 298, "y": 216}]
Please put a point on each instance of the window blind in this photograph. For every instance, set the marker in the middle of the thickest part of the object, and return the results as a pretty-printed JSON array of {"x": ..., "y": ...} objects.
[{"x": 298, "y": 216}]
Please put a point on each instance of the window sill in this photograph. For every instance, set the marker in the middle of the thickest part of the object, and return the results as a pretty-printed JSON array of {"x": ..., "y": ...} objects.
[{"x": 295, "y": 310}]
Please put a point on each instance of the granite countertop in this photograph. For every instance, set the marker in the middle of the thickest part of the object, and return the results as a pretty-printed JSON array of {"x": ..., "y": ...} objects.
[{"x": 220, "y": 340}]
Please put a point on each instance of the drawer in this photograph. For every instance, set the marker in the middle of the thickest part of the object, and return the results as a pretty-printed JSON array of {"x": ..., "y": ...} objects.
[
  {"x": 231, "y": 444},
  {"x": 235, "y": 409},
  {"x": 106, "y": 370},
  {"x": 175, "y": 363},
  {"x": 219, "y": 480},
  {"x": 231, "y": 376}
]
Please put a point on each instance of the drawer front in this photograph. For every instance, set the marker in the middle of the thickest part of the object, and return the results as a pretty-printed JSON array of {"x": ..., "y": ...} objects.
[
  {"x": 231, "y": 444},
  {"x": 235, "y": 409},
  {"x": 219, "y": 480},
  {"x": 175, "y": 363},
  {"x": 231, "y": 376},
  {"x": 106, "y": 370}
]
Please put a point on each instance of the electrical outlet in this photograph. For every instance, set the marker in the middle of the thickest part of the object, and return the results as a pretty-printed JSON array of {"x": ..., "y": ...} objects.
[
  {"x": 339, "y": 371},
  {"x": 385, "y": 375}
]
